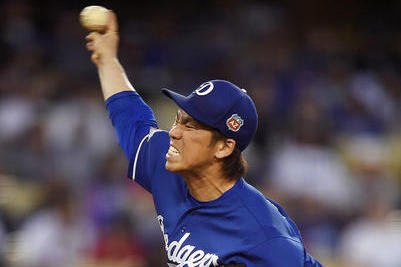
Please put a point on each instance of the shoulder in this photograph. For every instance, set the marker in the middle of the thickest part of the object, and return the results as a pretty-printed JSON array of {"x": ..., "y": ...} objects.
[
  {"x": 268, "y": 216},
  {"x": 150, "y": 153},
  {"x": 283, "y": 251},
  {"x": 157, "y": 138},
  {"x": 153, "y": 146},
  {"x": 280, "y": 251}
]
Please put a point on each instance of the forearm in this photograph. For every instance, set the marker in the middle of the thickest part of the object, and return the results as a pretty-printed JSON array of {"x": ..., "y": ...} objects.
[
  {"x": 104, "y": 48},
  {"x": 113, "y": 78}
]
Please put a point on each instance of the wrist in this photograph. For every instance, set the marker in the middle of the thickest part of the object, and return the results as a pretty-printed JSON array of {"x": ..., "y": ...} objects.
[{"x": 107, "y": 62}]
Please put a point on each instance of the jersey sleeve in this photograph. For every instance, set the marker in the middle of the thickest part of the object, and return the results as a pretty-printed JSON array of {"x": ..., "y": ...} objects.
[
  {"x": 133, "y": 121},
  {"x": 311, "y": 262},
  {"x": 149, "y": 162},
  {"x": 277, "y": 252}
]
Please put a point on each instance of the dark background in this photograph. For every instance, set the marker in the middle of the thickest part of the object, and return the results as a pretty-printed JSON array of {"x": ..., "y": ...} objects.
[{"x": 325, "y": 76}]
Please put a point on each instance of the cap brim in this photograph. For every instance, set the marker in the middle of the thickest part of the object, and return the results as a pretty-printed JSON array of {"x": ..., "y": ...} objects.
[
  {"x": 177, "y": 98},
  {"x": 182, "y": 103}
]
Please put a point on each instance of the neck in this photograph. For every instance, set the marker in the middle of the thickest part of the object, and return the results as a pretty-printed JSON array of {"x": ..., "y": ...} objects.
[{"x": 208, "y": 185}]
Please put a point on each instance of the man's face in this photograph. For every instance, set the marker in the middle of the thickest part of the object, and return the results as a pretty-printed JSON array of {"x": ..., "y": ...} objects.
[{"x": 191, "y": 149}]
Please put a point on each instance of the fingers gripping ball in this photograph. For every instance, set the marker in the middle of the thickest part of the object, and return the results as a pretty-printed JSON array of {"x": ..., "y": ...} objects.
[{"x": 94, "y": 18}]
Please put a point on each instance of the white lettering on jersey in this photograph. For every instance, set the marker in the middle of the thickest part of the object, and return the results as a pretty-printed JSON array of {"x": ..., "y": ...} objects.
[{"x": 186, "y": 255}]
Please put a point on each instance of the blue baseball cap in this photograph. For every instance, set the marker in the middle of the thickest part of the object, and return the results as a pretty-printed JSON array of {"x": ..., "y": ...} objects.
[{"x": 223, "y": 106}]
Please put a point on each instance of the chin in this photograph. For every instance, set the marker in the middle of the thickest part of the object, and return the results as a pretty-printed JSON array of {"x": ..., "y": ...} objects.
[
  {"x": 170, "y": 167},
  {"x": 175, "y": 167}
]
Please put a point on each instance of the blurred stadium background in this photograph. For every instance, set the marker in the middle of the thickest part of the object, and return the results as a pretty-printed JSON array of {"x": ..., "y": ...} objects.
[{"x": 326, "y": 76}]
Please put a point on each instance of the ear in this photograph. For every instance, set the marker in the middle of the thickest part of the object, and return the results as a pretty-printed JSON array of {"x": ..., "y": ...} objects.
[{"x": 224, "y": 148}]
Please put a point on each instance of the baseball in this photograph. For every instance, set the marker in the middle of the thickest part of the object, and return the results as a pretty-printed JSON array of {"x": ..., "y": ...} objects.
[{"x": 94, "y": 18}]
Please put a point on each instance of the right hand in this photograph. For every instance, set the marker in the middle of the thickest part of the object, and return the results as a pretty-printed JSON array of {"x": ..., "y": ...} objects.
[{"x": 104, "y": 47}]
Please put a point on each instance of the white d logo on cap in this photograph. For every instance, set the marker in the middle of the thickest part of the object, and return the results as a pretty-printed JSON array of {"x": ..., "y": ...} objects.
[{"x": 205, "y": 89}]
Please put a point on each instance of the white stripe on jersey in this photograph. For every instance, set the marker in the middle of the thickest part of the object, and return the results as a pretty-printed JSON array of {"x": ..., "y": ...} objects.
[{"x": 148, "y": 136}]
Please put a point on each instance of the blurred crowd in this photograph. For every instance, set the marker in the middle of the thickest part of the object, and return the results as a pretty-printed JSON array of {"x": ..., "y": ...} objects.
[{"x": 326, "y": 78}]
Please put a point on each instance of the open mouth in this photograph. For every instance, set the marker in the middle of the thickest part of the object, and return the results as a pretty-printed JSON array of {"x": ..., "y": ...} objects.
[{"x": 172, "y": 151}]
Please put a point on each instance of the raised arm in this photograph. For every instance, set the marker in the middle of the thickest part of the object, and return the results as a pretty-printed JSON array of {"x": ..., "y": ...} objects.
[
  {"x": 131, "y": 117},
  {"x": 104, "y": 48}
]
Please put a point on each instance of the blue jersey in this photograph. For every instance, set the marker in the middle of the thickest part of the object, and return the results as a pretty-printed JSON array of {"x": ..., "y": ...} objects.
[{"x": 240, "y": 227}]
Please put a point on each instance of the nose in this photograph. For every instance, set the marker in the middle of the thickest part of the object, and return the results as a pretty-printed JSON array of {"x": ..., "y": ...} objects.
[{"x": 175, "y": 132}]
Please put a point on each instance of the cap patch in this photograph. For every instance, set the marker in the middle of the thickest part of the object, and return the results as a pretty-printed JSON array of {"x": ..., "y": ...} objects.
[{"x": 234, "y": 123}]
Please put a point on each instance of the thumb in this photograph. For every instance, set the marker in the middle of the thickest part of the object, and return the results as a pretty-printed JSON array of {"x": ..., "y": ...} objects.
[
  {"x": 112, "y": 24},
  {"x": 95, "y": 58}
]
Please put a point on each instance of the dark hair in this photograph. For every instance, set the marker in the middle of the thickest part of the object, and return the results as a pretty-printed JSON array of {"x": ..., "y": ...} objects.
[{"x": 234, "y": 166}]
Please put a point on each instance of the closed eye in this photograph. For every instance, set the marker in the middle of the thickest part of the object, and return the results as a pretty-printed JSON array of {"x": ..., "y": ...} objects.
[{"x": 191, "y": 126}]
